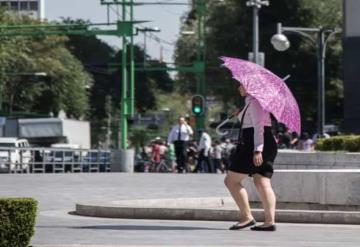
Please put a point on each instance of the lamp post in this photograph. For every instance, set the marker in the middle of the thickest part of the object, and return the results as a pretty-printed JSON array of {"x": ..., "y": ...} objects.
[
  {"x": 144, "y": 31},
  {"x": 281, "y": 43},
  {"x": 256, "y": 5}
]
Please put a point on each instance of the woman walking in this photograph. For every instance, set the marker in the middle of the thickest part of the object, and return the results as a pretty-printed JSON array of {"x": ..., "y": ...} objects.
[{"x": 254, "y": 156}]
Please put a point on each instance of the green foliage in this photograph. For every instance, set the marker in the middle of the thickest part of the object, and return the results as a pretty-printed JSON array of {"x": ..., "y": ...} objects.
[
  {"x": 139, "y": 137},
  {"x": 64, "y": 87},
  {"x": 232, "y": 36},
  {"x": 17, "y": 221},
  {"x": 352, "y": 144},
  {"x": 338, "y": 143},
  {"x": 96, "y": 57}
]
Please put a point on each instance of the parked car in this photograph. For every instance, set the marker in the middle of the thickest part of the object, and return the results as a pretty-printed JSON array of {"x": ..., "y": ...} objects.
[{"x": 11, "y": 155}]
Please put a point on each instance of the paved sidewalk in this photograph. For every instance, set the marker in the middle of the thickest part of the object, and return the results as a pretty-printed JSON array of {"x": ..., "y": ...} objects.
[{"x": 58, "y": 193}]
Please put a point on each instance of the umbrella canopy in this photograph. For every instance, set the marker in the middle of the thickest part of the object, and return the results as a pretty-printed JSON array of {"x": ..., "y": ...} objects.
[{"x": 270, "y": 90}]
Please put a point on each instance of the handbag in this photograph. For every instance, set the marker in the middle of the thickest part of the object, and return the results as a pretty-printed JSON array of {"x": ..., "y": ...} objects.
[{"x": 234, "y": 153}]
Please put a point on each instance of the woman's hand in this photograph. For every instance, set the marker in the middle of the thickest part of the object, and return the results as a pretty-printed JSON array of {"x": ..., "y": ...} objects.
[
  {"x": 258, "y": 159},
  {"x": 235, "y": 113}
]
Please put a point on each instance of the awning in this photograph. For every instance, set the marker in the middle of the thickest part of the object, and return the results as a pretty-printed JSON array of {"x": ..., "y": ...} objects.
[{"x": 33, "y": 128}]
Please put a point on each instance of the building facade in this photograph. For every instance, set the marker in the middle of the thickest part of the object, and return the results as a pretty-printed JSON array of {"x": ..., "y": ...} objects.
[
  {"x": 33, "y": 8},
  {"x": 351, "y": 45}
]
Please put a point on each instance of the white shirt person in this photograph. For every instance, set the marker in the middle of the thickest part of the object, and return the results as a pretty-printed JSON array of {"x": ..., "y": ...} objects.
[
  {"x": 180, "y": 132},
  {"x": 205, "y": 144},
  {"x": 180, "y": 135}
]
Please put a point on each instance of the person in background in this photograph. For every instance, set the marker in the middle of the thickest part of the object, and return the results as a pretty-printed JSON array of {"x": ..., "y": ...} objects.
[
  {"x": 171, "y": 157},
  {"x": 217, "y": 150},
  {"x": 226, "y": 146},
  {"x": 286, "y": 139},
  {"x": 155, "y": 153},
  {"x": 180, "y": 135},
  {"x": 204, "y": 148},
  {"x": 306, "y": 143},
  {"x": 192, "y": 155},
  {"x": 294, "y": 140}
]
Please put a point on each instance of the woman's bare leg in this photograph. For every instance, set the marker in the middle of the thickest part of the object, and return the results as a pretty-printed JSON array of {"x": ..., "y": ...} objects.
[
  {"x": 233, "y": 182},
  {"x": 267, "y": 196}
]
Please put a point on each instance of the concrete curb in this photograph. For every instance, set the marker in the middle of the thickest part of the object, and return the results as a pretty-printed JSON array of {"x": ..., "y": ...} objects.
[{"x": 171, "y": 211}]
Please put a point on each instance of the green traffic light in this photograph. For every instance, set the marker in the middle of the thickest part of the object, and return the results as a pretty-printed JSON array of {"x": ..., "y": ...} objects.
[{"x": 197, "y": 109}]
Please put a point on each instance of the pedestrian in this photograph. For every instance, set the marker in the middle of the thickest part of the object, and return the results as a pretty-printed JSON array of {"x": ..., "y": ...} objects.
[
  {"x": 180, "y": 135},
  {"x": 306, "y": 143},
  {"x": 227, "y": 147},
  {"x": 286, "y": 139},
  {"x": 170, "y": 155},
  {"x": 155, "y": 154},
  {"x": 192, "y": 153},
  {"x": 204, "y": 164},
  {"x": 217, "y": 150},
  {"x": 255, "y": 153}
]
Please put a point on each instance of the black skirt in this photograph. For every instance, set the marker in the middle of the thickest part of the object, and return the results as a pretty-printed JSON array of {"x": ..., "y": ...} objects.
[{"x": 241, "y": 160}]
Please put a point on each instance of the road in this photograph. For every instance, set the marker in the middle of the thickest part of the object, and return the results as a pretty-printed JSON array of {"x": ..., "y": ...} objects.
[{"x": 58, "y": 193}]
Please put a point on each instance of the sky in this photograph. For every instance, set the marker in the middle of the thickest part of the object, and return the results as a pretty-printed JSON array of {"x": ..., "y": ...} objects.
[{"x": 167, "y": 18}]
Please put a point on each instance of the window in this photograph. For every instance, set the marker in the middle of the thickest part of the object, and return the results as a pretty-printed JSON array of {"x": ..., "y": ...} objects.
[
  {"x": 14, "y": 5},
  {"x": 7, "y": 145},
  {"x": 34, "y": 5},
  {"x": 24, "y": 5},
  {"x": 4, "y": 4}
]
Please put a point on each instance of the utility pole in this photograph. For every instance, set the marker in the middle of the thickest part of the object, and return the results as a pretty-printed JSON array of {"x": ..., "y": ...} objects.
[
  {"x": 256, "y": 5},
  {"x": 200, "y": 59},
  {"x": 124, "y": 90},
  {"x": 128, "y": 74}
]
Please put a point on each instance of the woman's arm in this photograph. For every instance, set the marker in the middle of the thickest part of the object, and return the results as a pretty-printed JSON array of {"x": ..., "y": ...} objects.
[{"x": 257, "y": 115}]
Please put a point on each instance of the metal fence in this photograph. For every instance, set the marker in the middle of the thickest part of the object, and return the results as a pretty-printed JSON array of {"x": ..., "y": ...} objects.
[{"x": 53, "y": 160}]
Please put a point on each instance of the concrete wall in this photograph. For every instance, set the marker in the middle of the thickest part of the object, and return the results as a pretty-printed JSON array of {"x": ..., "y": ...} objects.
[
  {"x": 316, "y": 160},
  {"x": 327, "y": 187}
]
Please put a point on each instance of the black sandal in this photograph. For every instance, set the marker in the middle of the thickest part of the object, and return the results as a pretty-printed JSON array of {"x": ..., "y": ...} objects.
[
  {"x": 271, "y": 228},
  {"x": 237, "y": 226}
]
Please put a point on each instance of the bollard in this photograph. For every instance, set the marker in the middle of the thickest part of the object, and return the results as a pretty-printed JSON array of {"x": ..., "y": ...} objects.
[{"x": 122, "y": 160}]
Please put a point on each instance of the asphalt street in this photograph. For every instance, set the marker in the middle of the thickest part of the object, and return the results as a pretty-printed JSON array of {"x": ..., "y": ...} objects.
[{"x": 58, "y": 193}]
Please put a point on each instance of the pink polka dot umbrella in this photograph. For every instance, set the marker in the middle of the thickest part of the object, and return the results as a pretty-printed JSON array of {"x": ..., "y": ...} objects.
[{"x": 270, "y": 90}]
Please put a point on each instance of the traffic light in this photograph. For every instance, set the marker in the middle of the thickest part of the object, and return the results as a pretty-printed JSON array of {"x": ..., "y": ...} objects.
[{"x": 198, "y": 104}]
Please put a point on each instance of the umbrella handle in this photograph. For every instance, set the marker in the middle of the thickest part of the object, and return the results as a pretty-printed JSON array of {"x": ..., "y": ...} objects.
[
  {"x": 218, "y": 131},
  {"x": 286, "y": 77}
]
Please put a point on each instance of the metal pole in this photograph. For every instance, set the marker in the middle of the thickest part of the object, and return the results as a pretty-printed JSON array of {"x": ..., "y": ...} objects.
[
  {"x": 1, "y": 96},
  {"x": 200, "y": 59},
  {"x": 321, "y": 57},
  {"x": 124, "y": 107},
  {"x": 255, "y": 33},
  {"x": 144, "y": 32},
  {"x": 132, "y": 66}
]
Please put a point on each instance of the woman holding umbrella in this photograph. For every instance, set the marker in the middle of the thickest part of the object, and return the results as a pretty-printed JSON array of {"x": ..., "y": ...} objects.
[{"x": 257, "y": 149}]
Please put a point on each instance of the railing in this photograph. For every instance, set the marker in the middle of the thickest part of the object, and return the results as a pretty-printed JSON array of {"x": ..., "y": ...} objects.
[{"x": 53, "y": 160}]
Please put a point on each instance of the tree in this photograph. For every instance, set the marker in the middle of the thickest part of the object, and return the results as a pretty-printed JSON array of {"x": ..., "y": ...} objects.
[
  {"x": 232, "y": 36},
  {"x": 102, "y": 62},
  {"x": 64, "y": 87}
]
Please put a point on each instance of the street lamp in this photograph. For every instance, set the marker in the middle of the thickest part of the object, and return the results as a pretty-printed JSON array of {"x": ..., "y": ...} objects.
[
  {"x": 144, "y": 31},
  {"x": 256, "y": 5},
  {"x": 281, "y": 43}
]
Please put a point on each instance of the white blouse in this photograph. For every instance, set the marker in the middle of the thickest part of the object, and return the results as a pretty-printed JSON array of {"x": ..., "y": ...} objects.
[
  {"x": 255, "y": 117},
  {"x": 185, "y": 133}
]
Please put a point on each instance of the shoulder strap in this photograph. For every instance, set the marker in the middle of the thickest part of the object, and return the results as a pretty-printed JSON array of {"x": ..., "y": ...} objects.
[{"x": 241, "y": 123}]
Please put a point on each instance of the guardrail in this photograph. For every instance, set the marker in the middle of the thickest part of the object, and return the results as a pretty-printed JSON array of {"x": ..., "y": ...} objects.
[{"x": 53, "y": 160}]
